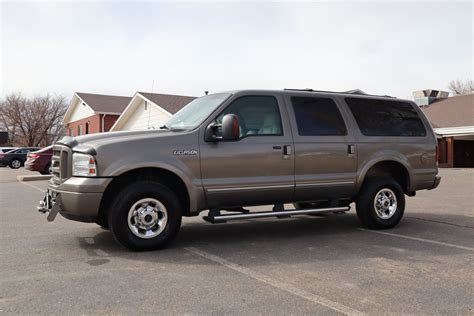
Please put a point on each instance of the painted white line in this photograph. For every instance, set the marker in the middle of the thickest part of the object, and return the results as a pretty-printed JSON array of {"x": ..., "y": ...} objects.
[
  {"x": 419, "y": 239},
  {"x": 277, "y": 284},
  {"x": 32, "y": 186}
]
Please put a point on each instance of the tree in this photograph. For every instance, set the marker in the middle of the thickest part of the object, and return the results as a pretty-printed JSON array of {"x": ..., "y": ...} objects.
[
  {"x": 32, "y": 121},
  {"x": 459, "y": 87}
]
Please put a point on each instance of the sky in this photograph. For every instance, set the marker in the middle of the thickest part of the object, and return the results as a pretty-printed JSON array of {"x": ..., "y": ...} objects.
[{"x": 187, "y": 48}]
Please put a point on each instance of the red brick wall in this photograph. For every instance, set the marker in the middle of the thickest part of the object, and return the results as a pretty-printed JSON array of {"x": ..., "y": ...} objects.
[
  {"x": 109, "y": 121},
  {"x": 95, "y": 124}
]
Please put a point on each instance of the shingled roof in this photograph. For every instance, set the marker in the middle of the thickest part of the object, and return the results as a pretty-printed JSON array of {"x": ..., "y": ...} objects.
[
  {"x": 169, "y": 102},
  {"x": 451, "y": 112},
  {"x": 105, "y": 103}
]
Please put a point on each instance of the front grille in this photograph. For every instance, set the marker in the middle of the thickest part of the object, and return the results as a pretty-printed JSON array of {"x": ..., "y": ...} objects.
[{"x": 61, "y": 163}]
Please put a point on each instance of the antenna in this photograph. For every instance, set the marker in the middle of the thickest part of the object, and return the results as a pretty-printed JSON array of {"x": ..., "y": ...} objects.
[{"x": 151, "y": 99}]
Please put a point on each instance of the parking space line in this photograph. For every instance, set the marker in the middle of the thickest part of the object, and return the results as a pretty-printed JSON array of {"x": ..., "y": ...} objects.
[
  {"x": 418, "y": 239},
  {"x": 277, "y": 284},
  {"x": 32, "y": 186}
]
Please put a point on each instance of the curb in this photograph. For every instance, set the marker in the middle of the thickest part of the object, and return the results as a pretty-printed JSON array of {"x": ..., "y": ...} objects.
[{"x": 33, "y": 178}]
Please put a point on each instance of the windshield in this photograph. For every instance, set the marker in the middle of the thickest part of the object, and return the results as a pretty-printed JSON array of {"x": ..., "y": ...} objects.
[{"x": 195, "y": 112}]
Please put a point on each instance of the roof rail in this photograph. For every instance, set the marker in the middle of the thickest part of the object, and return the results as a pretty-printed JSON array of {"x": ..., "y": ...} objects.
[{"x": 353, "y": 92}]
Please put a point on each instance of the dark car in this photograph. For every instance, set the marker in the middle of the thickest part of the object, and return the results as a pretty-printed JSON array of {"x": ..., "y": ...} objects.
[
  {"x": 6, "y": 149},
  {"x": 40, "y": 160},
  {"x": 15, "y": 158}
]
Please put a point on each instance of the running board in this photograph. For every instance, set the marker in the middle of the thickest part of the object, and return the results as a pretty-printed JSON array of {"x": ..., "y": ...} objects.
[{"x": 282, "y": 214}]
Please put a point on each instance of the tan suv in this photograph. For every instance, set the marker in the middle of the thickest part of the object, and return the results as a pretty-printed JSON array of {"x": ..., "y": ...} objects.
[{"x": 222, "y": 152}]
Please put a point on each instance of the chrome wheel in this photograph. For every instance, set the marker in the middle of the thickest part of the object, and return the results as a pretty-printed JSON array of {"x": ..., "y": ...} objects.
[
  {"x": 16, "y": 164},
  {"x": 147, "y": 218},
  {"x": 385, "y": 203}
]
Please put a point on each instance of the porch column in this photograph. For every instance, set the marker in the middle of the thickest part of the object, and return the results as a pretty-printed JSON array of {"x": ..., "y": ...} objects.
[{"x": 450, "y": 151}]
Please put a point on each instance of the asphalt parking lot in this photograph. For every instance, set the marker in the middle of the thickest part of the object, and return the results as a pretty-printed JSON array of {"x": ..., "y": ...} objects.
[{"x": 301, "y": 265}]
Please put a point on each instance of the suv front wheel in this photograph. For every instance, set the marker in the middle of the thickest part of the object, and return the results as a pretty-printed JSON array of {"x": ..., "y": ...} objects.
[
  {"x": 381, "y": 203},
  {"x": 145, "y": 216}
]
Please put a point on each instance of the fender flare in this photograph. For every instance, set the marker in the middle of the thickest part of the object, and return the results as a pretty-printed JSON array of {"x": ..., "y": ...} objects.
[
  {"x": 193, "y": 191},
  {"x": 385, "y": 158}
]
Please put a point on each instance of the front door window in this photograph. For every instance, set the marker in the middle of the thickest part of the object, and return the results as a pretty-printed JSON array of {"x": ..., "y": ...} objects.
[{"x": 258, "y": 116}]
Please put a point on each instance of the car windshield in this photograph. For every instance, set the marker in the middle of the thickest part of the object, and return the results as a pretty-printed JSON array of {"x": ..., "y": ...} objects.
[{"x": 195, "y": 112}]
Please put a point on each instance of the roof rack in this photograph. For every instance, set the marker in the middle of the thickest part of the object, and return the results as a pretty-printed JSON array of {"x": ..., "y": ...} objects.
[{"x": 353, "y": 92}]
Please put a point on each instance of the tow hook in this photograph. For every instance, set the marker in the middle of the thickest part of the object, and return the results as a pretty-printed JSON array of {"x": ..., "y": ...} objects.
[{"x": 42, "y": 207}]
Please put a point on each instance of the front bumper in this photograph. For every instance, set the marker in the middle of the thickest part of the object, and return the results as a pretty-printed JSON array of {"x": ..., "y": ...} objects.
[{"x": 76, "y": 199}]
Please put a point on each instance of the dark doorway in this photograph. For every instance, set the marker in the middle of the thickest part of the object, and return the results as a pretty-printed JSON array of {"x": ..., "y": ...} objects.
[
  {"x": 463, "y": 153},
  {"x": 87, "y": 128}
]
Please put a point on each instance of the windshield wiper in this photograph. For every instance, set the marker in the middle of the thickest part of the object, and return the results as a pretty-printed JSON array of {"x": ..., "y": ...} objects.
[{"x": 164, "y": 127}]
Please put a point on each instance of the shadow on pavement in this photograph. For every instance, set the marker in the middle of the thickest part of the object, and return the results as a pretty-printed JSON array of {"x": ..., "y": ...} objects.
[{"x": 296, "y": 240}]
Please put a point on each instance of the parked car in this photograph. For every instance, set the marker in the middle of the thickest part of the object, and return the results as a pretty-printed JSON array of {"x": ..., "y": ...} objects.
[
  {"x": 15, "y": 158},
  {"x": 40, "y": 160},
  {"x": 318, "y": 150},
  {"x": 6, "y": 149}
]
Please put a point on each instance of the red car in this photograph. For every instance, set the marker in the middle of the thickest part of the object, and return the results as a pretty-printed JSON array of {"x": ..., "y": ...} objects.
[{"x": 40, "y": 160}]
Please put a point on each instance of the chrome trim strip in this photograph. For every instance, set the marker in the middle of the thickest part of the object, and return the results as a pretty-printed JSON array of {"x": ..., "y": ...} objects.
[
  {"x": 315, "y": 184},
  {"x": 283, "y": 186}
]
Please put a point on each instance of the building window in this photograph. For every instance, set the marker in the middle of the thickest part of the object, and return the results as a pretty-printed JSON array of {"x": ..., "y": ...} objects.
[
  {"x": 71, "y": 131},
  {"x": 79, "y": 130},
  {"x": 87, "y": 128},
  {"x": 146, "y": 105}
]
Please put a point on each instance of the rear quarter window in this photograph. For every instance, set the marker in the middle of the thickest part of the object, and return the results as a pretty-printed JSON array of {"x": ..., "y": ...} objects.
[{"x": 386, "y": 117}]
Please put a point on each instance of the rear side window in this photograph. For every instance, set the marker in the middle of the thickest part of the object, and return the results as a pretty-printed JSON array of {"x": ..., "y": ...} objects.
[
  {"x": 318, "y": 117},
  {"x": 386, "y": 118}
]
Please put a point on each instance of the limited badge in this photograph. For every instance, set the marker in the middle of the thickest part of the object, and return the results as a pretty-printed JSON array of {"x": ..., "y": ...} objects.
[{"x": 184, "y": 152}]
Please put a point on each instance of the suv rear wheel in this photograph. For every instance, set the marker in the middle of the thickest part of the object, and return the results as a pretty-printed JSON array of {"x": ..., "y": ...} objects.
[
  {"x": 145, "y": 216},
  {"x": 381, "y": 203}
]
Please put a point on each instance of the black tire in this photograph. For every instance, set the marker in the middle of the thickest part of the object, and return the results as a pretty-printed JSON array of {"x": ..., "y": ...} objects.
[
  {"x": 103, "y": 225},
  {"x": 366, "y": 210},
  {"x": 15, "y": 164},
  {"x": 46, "y": 169},
  {"x": 125, "y": 200}
]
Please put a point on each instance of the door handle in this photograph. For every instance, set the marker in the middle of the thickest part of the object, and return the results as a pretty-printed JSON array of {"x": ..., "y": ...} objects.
[
  {"x": 351, "y": 150},
  {"x": 287, "y": 151}
]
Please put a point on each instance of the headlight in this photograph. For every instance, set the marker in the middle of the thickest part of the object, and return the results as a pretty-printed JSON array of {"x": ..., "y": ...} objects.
[{"x": 83, "y": 165}]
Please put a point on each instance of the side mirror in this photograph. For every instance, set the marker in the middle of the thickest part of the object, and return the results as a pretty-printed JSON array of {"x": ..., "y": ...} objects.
[{"x": 230, "y": 127}]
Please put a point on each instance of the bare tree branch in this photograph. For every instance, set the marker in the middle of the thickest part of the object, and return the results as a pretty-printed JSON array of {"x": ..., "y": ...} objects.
[
  {"x": 459, "y": 87},
  {"x": 32, "y": 121}
]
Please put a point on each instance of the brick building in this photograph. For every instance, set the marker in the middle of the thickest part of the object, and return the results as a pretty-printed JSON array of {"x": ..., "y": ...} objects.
[
  {"x": 93, "y": 113},
  {"x": 452, "y": 120}
]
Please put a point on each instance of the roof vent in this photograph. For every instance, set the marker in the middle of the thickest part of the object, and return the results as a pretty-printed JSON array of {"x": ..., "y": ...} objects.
[{"x": 428, "y": 96}]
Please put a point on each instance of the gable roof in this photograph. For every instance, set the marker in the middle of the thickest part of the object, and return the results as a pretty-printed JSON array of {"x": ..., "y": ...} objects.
[
  {"x": 166, "y": 103},
  {"x": 169, "y": 102},
  {"x": 451, "y": 112},
  {"x": 102, "y": 103}
]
